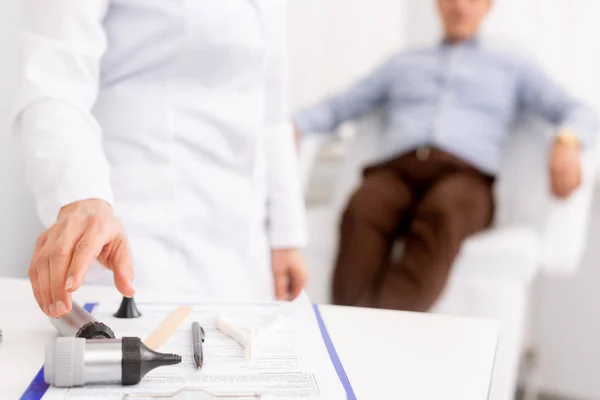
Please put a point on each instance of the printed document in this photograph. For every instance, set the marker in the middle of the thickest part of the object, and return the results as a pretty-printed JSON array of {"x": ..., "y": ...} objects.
[{"x": 292, "y": 362}]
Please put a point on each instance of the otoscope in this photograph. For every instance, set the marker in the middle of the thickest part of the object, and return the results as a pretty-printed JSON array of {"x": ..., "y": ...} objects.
[
  {"x": 80, "y": 323},
  {"x": 90, "y": 353},
  {"x": 72, "y": 361}
]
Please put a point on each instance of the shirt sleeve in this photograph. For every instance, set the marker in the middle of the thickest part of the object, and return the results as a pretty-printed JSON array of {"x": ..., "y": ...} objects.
[
  {"x": 370, "y": 92},
  {"x": 285, "y": 208},
  {"x": 60, "y": 141},
  {"x": 539, "y": 94}
]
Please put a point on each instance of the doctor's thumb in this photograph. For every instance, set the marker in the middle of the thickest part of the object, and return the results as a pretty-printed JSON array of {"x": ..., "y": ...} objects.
[{"x": 120, "y": 264}]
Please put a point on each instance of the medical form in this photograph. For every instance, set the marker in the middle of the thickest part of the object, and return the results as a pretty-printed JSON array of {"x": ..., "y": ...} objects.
[{"x": 293, "y": 362}]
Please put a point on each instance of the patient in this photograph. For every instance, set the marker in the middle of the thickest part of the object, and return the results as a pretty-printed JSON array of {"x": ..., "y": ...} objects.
[{"x": 449, "y": 109}]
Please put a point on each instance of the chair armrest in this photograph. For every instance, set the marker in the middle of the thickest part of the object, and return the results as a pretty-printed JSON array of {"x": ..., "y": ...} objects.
[
  {"x": 500, "y": 254},
  {"x": 309, "y": 148},
  {"x": 565, "y": 232}
]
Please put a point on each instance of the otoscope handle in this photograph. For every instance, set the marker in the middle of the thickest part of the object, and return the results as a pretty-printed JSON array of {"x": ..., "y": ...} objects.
[
  {"x": 80, "y": 323},
  {"x": 74, "y": 361}
]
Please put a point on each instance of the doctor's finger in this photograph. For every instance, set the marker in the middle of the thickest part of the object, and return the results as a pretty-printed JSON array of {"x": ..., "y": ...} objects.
[
  {"x": 33, "y": 274},
  {"x": 86, "y": 251},
  {"x": 71, "y": 232},
  {"x": 120, "y": 264},
  {"x": 43, "y": 271},
  {"x": 35, "y": 287},
  {"x": 298, "y": 279},
  {"x": 563, "y": 187},
  {"x": 558, "y": 186},
  {"x": 555, "y": 188},
  {"x": 280, "y": 278}
]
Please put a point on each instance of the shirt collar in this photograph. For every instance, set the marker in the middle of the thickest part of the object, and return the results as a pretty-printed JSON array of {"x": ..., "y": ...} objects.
[{"x": 470, "y": 42}]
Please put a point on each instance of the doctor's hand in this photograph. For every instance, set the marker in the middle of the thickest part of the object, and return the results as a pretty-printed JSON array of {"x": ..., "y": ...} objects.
[
  {"x": 565, "y": 166},
  {"x": 289, "y": 273},
  {"x": 84, "y": 231},
  {"x": 297, "y": 137}
]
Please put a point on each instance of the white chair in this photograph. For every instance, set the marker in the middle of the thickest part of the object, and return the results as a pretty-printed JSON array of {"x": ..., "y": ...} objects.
[{"x": 532, "y": 234}]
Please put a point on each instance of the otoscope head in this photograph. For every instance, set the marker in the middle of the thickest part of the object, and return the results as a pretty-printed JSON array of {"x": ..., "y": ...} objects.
[
  {"x": 72, "y": 361},
  {"x": 139, "y": 359},
  {"x": 160, "y": 359}
]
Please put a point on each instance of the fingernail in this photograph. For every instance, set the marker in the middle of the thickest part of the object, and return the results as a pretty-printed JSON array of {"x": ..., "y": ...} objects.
[
  {"x": 52, "y": 309},
  {"x": 69, "y": 283},
  {"x": 60, "y": 307}
]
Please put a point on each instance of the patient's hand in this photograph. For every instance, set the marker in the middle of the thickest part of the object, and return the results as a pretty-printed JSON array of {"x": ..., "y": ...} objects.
[
  {"x": 289, "y": 273},
  {"x": 565, "y": 168}
]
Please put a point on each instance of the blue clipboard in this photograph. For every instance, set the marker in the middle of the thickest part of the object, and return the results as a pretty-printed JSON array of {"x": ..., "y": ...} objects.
[{"x": 37, "y": 388}]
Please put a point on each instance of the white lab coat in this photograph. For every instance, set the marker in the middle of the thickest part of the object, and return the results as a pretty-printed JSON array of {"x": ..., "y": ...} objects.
[{"x": 174, "y": 112}]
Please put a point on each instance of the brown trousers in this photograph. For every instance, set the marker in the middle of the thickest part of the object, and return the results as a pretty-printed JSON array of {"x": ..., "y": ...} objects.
[{"x": 428, "y": 197}]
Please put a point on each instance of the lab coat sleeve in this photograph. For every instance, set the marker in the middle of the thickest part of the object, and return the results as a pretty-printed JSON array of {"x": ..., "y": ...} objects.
[
  {"x": 286, "y": 211},
  {"x": 60, "y": 141}
]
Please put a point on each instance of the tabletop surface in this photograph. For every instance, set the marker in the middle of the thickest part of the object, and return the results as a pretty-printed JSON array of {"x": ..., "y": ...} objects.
[{"x": 410, "y": 355}]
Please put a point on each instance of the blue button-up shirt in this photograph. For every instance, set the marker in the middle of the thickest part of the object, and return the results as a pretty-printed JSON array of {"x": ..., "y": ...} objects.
[{"x": 461, "y": 98}]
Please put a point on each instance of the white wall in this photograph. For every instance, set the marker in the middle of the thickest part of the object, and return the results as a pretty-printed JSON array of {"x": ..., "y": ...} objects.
[
  {"x": 18, "y": 222},
  {"x": 568, "y": 325},
  {"x": 332, "y": 43}
]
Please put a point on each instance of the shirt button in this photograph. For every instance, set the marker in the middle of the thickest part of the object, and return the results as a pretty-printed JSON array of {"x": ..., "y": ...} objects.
[{"x": 423, "y": 153}]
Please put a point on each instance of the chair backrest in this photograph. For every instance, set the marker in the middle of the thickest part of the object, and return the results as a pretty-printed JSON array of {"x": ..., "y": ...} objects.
[
  {"x": 362, "y": 151},
  {"x": 522, "y": 190}
]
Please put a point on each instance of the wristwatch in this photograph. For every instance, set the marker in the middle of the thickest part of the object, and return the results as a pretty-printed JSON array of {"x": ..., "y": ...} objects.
[{"x": 568, "y": 139}]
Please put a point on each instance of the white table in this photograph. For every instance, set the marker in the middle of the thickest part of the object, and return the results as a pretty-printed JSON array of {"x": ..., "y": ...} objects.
[{"x": 400, "y": 355}]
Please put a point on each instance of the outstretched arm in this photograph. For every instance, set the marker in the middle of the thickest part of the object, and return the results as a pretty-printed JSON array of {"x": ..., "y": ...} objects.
[
  {"x": 363, "y": 97},
  {"x": 576, "y": 126},
  {"x": 64, "y": 159}
]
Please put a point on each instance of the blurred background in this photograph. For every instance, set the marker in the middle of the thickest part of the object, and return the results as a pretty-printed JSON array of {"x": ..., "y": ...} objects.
[{"x": 334, "y": 42}]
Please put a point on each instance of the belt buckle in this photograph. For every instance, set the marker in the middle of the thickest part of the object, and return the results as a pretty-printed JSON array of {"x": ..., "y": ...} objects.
[{"x": 423, "y": 153}]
